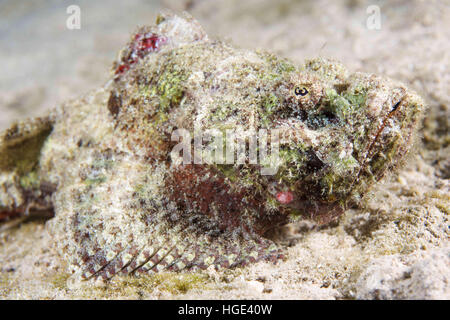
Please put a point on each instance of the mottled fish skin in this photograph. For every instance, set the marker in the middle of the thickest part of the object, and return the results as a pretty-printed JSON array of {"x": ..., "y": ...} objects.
[{"x": 122, "y": 205}]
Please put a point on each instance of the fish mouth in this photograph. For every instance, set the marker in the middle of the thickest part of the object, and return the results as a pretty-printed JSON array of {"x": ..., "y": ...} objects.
[{"x": 393, "y": 137}]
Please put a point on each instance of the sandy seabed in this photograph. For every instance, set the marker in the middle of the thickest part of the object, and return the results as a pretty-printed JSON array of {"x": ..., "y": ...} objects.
[{"x": 395, "y": 246}]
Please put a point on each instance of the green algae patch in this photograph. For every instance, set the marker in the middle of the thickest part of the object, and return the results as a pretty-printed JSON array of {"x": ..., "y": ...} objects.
[
  {"x": 222, "y": 111},
  {"x": 30, "y": 180},
  {"x": 140, "y": 287},
  {"x": 356, "y": 97},
  {"x": 5, "y": 284},
  {"x": 338, "y": 104},
  {"x": 95, "y": 181},
  {"x": 167, "y": 282},
  {"x": 170, "y": 88},
  {"x": 59, "y": 280},
  {"x": 168, "y": 85},
  {"x": 182, "y": 283},
  {"x": 269, "y": 106},
  {"x": 328, "y": 69},
  {"x": 346, "y": 104},
  {"x": 278, "y": 66}
]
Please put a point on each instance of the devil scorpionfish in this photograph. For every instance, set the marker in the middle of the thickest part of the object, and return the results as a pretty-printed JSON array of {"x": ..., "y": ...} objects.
[{"x": 122, "y": 203}]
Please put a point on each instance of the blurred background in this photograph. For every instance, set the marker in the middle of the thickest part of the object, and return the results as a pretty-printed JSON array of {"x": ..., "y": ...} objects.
[{"x": 43, "y": 62}]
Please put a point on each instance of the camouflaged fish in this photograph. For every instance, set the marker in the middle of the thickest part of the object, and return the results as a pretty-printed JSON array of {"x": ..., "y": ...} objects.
[{"x": 102, "y": 164}]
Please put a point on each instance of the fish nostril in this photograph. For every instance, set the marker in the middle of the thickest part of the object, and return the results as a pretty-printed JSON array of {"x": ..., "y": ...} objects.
[
  {"x": 329, "y": 115},
  {"x": 395, "y": 107},
  {"x": 314, "y": 163}
]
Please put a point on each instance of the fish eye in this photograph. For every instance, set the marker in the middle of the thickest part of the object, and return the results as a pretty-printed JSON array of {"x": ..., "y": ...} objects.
[{"x": 301, "y": 91}]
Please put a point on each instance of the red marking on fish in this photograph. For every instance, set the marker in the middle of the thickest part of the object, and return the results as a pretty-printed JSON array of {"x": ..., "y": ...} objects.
[{"x": 285, "y": 197}]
